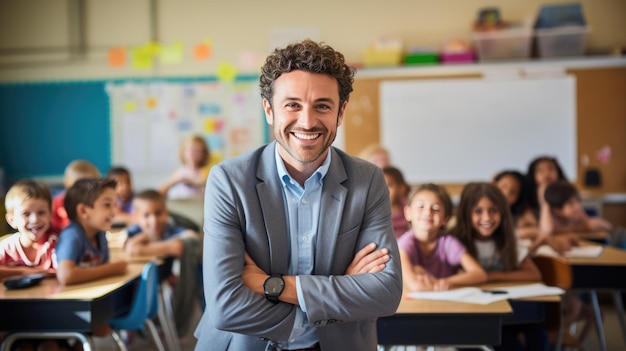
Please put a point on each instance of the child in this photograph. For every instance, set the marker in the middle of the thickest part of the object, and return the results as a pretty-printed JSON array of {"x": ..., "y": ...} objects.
[
  {"x": 398, "y": 192},
  {"x": 377, "y": 155},
  {"x": 562, "y": 211},
  {"x": 430, "y": 260},
  {"x": 153, "y": 235},
  {"x": 188, "y": 181},
  {"x": 82, "y": 251},
  {"x": 124, "y": 195},
  {"x": 30, "y": 250},
  {"x": 75, "y": 170},
  {"x": 542, "y": 171},
  {"x": 485, "y": 227}
]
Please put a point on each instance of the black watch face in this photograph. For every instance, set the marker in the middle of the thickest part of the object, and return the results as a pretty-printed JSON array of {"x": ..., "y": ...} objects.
[{"x": 274, "y": 285}]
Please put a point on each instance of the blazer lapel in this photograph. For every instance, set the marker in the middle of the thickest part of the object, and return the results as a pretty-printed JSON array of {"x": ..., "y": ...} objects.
[
  {"x": 333, "y": 200},
  {"x": 270, "y": 193}
]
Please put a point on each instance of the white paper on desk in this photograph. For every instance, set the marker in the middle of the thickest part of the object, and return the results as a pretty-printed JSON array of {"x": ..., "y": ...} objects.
[
  {"x": 590, "y": 251},
  {"x": 477, "y": 296}
]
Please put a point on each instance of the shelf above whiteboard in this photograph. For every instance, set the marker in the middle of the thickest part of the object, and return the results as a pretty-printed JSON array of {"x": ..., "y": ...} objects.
[{"x": 480, "y": 68}]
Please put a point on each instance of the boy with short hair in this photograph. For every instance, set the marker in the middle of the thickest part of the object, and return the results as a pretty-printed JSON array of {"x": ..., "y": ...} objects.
[
  {"x": 82, "y": 251},
  {"x": 562, "y": 211},
  {"x": 154, "y": 235},
  {"x": 30, "y": 250},
  {"x": 75, "y": 170}
]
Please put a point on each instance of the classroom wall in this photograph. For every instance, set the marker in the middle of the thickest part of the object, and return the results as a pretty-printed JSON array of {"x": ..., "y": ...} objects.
[
  {"x": 40, "y": 40},
  {"x": 243, "y": 25}
]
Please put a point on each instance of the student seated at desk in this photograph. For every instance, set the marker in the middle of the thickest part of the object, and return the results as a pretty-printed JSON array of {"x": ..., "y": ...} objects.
[
  {"x": 431, "y": 260},
  {"x": 82, "y": 250},
  {"x": 398, "y": 192},
  {"x": 75, "y": 170},
  {"x": 30, "y": 250},
  {"x": 187, "y": 182},
  {"x": 562, "y": 211},
  {"x": 124, "y": 195},
  {"x": 153, "y": 235},
  {"x": 485, "y": 227}
]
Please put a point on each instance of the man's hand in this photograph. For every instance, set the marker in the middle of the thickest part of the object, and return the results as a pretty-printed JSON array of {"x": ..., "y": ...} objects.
[
  {"x": 368, "y": 261},
  {"x": 253, "y": 276}
]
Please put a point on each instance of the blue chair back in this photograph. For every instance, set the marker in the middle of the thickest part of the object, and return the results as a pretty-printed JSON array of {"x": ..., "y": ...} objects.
[{"x": 145, "y": 303}]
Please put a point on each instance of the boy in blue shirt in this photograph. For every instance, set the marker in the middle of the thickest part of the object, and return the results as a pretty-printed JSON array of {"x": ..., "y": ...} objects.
[
  {"x": 154, "y": 235},
  {"x": 82, "y": 251}
]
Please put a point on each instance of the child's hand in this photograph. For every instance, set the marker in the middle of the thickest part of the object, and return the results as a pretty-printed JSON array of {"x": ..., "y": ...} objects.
[
  {"x": 119, "y": 267},
  {"x": 541, "y": 190},
  {"x": 562, "y": 243},
  {"x": 423, "y": 283},
  {"x": 441, "y": 285}
]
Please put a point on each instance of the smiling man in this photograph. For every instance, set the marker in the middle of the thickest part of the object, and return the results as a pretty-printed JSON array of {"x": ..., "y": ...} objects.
[{"x": 299, "y": 251}]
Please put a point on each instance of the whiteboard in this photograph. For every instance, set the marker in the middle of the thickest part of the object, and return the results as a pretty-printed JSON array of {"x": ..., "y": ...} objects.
[{"x": 461, "y": 130}]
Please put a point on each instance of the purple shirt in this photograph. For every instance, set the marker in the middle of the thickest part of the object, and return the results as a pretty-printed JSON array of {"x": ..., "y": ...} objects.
[{"x": 443, "y": 262}]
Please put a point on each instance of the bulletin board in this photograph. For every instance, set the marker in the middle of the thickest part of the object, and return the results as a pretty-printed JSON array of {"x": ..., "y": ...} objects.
[
  {"x": 150, "y": 119},
  {"x": 461, "y": 130}
]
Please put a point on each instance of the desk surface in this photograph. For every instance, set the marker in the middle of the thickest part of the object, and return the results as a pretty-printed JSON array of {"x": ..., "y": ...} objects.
[
  {"x": 603, "y": 272},
  {"x": 76, "y": 307}
]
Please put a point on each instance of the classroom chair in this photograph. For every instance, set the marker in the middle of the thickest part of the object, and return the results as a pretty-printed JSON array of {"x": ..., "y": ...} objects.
[{"x": 144, "y": 309}]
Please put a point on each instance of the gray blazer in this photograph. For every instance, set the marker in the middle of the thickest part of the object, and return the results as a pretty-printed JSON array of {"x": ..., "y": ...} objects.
[{"x": 244, "y": 211}]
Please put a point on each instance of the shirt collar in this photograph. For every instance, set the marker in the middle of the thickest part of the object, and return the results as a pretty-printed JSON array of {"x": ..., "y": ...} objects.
[{"x": 286, "y": 179}]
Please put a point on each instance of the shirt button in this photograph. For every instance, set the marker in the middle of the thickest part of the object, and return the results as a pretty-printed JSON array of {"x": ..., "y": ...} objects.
[
  {"x": 304, "y": 238},
  {"x": 304, "y": 201}
]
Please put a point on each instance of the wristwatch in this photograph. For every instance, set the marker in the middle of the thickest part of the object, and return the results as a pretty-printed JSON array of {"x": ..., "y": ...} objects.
[{"x": 273, "y": 287}]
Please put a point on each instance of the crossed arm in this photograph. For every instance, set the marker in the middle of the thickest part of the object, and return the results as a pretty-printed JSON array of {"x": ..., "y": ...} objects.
[{"x": 367, "y": 260}]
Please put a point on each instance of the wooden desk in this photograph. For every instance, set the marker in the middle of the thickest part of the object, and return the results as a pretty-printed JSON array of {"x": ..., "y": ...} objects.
[
  {"x": 605, "y": 272},
  {"x": 424, "y": 322},
  {"x": 79, "y": 307}
]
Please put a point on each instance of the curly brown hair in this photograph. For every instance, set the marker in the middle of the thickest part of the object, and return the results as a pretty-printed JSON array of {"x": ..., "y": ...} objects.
[{"x": 309, "y": 56}]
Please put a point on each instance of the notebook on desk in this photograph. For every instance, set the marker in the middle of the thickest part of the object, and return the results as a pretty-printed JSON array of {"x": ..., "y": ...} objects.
[
  {"x": 482, "y": 297},
  {"x": 590, "y": 251}
]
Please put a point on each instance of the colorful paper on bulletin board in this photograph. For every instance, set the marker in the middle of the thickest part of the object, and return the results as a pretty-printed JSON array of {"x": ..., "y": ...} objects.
[
  {"x": 202, "y": 51},
  {"x": 215, "y": 142},
  {"x": 213, "y": 125},
  {"x": 151, "y": 103},
  {"x": 142, "y": 58},
  {"x": 171, "y": 54},
  {"x": 130, "y": 106},
  {"x": 117, "y": 57},
  {"x": 183, "y": 125},
  {"x": 154, "y": 48},
  {"x": 226, "y": 72},
  {"x": 209, "y": 109}
]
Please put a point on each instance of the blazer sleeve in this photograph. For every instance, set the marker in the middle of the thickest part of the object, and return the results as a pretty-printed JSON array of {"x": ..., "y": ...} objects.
[
  {"x": 337, "y": 298},
  {"x": 230, "y": 305}
]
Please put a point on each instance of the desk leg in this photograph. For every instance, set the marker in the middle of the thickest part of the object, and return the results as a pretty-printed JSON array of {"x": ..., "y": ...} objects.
[
  {"x": 619, "y": 306},
  {"x": 82, "y": 338},
  {"x": 169, "y": 330},
  {"x": 598, "y": 317}
]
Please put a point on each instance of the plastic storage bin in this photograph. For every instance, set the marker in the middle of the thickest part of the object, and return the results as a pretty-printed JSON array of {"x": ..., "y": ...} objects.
[
  {"x": 457, "y": 57},
  {"x": 504, "y": 44},
  {"x": 421, "y": 58},
  {"x": 382, "y": 57},
  {"x": 561, "y": 41}
]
